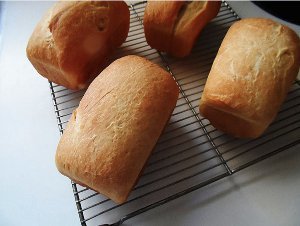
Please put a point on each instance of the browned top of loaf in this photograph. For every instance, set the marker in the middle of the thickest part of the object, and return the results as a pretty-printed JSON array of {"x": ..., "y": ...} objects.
[
  {"x": 113, "y": 131},
  {"x": 192, "y": 18},
  {"x": 159, "y": 21},
  {"x": 74, "y": 38},
  {"x": 257, "y": 57},
  {"x": 173, "y": 26}
]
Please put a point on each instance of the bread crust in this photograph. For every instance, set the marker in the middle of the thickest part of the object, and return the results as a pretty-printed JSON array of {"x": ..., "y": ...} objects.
[
  {"x": 118, "y": 122},
  {"x": 173, "y": 26},
  {"x": 255, "y": 66},
  {"x": 73, "y": 41},
  {"x": 159, "y": 22},
  {"x": 188, "y": 28}
]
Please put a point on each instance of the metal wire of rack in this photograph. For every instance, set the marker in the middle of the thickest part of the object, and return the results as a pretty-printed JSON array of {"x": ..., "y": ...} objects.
[{"x": 191, "y": 153}]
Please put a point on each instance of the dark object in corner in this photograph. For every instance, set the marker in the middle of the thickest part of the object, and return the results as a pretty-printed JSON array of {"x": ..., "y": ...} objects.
[{"x": 286, "y": 10}]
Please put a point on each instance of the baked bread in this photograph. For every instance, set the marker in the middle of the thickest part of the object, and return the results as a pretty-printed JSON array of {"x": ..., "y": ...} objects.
[
  {"x": 173, "y": 26},
  {"x": 118, "y": 122},
  {"x": 255, "y": 66},
  {"x": 71, "y": 44}
]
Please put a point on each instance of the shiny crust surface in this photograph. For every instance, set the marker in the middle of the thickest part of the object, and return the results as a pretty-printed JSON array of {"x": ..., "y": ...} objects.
[
  {"x": 117, "y": 124},
  {"x": 255, "y": 66},
  {"x": 73, "y": 41},
  {"x": 173, "y": 26}
]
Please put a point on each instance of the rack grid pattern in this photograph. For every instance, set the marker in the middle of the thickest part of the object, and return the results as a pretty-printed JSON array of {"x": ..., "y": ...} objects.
[{"x": 191, "y": 153}]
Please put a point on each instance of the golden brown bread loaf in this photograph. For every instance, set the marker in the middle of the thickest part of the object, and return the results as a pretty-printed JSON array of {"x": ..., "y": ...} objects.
[
  {"x": 113, "y": 131},
  {"x": 255, "y": 67},
  {"x": 173, "y": 26},
  {"x": 72, "y": 42}
]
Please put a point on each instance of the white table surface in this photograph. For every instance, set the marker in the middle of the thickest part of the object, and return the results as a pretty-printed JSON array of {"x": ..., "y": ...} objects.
[{"x": 32, "y": 192}]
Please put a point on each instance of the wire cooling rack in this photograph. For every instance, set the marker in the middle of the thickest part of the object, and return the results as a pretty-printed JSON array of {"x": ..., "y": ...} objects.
[{"x": 191, "y": 153}]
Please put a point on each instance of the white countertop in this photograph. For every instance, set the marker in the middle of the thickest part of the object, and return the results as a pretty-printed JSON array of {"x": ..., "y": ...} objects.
[{"x": 32, "y": 192}]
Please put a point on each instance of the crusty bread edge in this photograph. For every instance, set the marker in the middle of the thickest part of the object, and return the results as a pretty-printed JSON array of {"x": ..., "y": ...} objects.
[{"x": 184, "y": 38}]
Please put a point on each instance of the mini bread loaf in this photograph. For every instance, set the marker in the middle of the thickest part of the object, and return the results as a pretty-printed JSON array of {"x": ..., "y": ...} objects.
[
  {"x": 173, "y": 26},
  {"x": 117, "y": 124},
  {"x": 71, "y": 44},
  {"x": 255, "y": 66}
]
